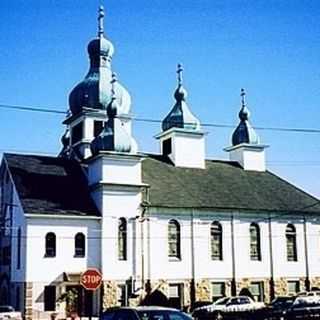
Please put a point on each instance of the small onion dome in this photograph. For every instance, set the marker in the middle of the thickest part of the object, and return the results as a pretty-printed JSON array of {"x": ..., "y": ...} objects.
[
  {"x": 180, "y": 116},
  {"x": 112, "y": 138},
  {"x": 244, "y": 133}
]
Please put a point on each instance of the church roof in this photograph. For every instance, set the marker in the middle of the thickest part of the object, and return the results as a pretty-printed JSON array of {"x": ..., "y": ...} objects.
[
  {"x": 50, "y": 185},
  {"x": 222, "y": 185},
  {"x": 55, "y": 185}
]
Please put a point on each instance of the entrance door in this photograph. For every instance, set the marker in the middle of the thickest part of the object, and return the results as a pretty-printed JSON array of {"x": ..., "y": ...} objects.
[{"x": 82, "y": 300}]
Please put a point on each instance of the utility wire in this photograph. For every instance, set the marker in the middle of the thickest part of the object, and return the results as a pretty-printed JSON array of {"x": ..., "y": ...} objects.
[{"x": 214, "y": 125}]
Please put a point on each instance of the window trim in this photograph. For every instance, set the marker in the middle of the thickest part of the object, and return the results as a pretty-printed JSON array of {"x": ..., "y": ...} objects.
[
  {"x": 122, "y": 239},
  {"x": 291, "y": 235},
  {"x": 174, "y": 239},
  {"x": 79, "y": 250},
  {"x": 255, "y": 242},
  {"x": 216, "y": 230},
  {"x": 49, "y": 254}
]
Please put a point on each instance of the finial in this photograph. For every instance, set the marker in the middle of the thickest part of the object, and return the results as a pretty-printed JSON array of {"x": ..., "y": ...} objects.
[
  {"x": 243, "y": 97},
  {"x": 244, "y": 113},
  {"x": 113, "y": 81},
  {"x": 179, "y": 72},
  {"x": 100, "y": 21}
]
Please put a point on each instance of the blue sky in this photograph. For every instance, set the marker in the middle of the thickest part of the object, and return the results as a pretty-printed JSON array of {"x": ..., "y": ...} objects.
[{"x": 271, "y": 48}]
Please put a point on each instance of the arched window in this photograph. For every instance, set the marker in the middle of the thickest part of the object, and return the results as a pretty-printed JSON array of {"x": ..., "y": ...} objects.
[
  {"x": 50, "y": 244},
  {"x": 291, "y": 239},
  {"x": 122, "y": 239},
  {"x": 255, "y": 248},
  {"x": 174, "y": 239},
  {"x": 216, "y": 241},
  {"x": 79, "y": 245}
]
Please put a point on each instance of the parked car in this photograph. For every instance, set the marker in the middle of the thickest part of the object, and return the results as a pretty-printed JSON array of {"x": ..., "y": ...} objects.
[
  {"x": 144, "y": 313},
  {"x": 227, "y": 305},
  {"x": 310, "y": 296},
  {"x": 302, "y": 309},
  {"x": 8, "y": 312},
  {"x": 278, "y": 307}
]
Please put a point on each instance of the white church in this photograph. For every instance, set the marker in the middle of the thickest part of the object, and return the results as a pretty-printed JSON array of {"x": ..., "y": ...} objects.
[{"x": 173, "y": 226}]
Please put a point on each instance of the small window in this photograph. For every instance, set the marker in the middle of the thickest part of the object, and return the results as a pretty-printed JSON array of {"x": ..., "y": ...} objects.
[
  {"x": 176, "y": 295},
  {"x": 97, "y": 127},
  {"x": 216, "y": 241},
  {"x": 50, "y": 245},
  {"x": 79, "y": 245},
  {"x": 167, "y": 147},
  {"x": 49, "y": 298},
  {"x": 122, "y": 239},
  {"x": 77, "y": 133},
  {"x": 174, "y": 239},
  {"x": 19, "y": 249},
  {"x": 256, "y": 289},
  {"x": 255, "y": 249},
  {"x": 291, "y": 239},
  {"x": 293, "y": 287},
  {"x": 218, "y": 290}
]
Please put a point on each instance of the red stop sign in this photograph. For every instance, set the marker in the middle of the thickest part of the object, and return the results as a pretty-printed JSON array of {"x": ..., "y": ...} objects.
[{"x": 91, "y": 279}]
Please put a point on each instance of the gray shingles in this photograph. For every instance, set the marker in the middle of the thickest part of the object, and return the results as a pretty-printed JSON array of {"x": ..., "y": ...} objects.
[
  {"x": 222, "y": 185},
  {"x": 51, "y": 185}
]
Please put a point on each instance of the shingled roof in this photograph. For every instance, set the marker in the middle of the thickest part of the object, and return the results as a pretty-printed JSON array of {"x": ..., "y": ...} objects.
[
  {"x": 51, "y": 185},
  {"x": 222, "y": 185},
  {"x": 54, "y": 185}
]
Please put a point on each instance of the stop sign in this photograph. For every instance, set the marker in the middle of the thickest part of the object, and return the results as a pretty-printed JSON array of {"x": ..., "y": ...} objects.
[{"x": 91, "y": 279}]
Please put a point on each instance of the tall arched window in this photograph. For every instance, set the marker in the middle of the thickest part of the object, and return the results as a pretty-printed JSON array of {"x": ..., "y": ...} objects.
[
  {"x": 255, "y": 248},
  {"x": 174, "y": 239},
  {"x": 216, "y": 241},
  {"x": 79, "y": 245},
  {"x": 291, "y": 239},
  {"x": 50, "y": 244},
  {"x": 122, "y": 239}
]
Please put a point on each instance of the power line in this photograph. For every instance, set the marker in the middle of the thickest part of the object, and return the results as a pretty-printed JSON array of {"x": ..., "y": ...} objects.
[{"x": 147, "y": 120}]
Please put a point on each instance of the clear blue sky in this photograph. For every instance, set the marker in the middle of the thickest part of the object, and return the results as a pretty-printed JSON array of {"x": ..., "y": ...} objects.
[{"x": 271, "y": 48}]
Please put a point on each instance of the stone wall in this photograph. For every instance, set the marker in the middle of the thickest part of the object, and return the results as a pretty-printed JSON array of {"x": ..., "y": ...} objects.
[{"x": 28, "y": 286}]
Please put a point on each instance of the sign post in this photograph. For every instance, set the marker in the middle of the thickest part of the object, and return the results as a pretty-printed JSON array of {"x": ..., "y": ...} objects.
[{"x": 91, "y": 279}]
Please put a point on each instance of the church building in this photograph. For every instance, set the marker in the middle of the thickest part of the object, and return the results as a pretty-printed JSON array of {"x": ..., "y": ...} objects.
[{"x": 172, "y": 224}]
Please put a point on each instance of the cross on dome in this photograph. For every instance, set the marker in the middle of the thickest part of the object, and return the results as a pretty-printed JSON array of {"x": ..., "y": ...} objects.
[
  {"x": 100, "y": 21},
  {"x": 179, "y": 72}
]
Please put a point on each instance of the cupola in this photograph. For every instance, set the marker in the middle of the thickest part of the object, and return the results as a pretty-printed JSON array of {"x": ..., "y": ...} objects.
[
  {"x": 90, "y": 99},
  {"x": 94, "y": 92},
  {"x": 246, "y": 148},
  {"x": 114, "y": 136},
  {"x": 182, "y": 138}
]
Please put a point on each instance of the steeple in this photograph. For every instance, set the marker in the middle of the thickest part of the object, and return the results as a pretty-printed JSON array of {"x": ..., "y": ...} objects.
[
  {"x": 90, "y": 100},
  {"x": 244, "y": 133},
  {"x": 182, "y": 139},
  {"x": 94, "y": 91},
  {"x": 246, "y": 148},
  {"x": 180, "y": 116},
  {"x": 114, "y": 136}
]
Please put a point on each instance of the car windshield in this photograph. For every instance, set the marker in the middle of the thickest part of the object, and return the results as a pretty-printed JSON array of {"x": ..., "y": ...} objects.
[{"x": 221, "y": 301}]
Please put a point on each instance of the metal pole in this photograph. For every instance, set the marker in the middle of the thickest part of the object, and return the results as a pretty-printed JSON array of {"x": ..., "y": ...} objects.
[
  {"x": 192, "y": 284},
  {"x": 233, "y": 281},
  {"x": 271, "y": 282},
  {"x": 307, "y": 281}
]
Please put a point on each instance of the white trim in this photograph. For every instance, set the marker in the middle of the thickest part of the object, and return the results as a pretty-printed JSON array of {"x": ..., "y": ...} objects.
[{"x": 60, "y": 216}]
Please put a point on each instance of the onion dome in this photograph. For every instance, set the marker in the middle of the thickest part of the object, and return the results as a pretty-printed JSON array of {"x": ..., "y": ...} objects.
[
  {"x": 113, "y": 137},
  {"x": 94, "y": 91},
  {"x": 180, "y": 116},
  {"x": 244, "y": 133}
]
